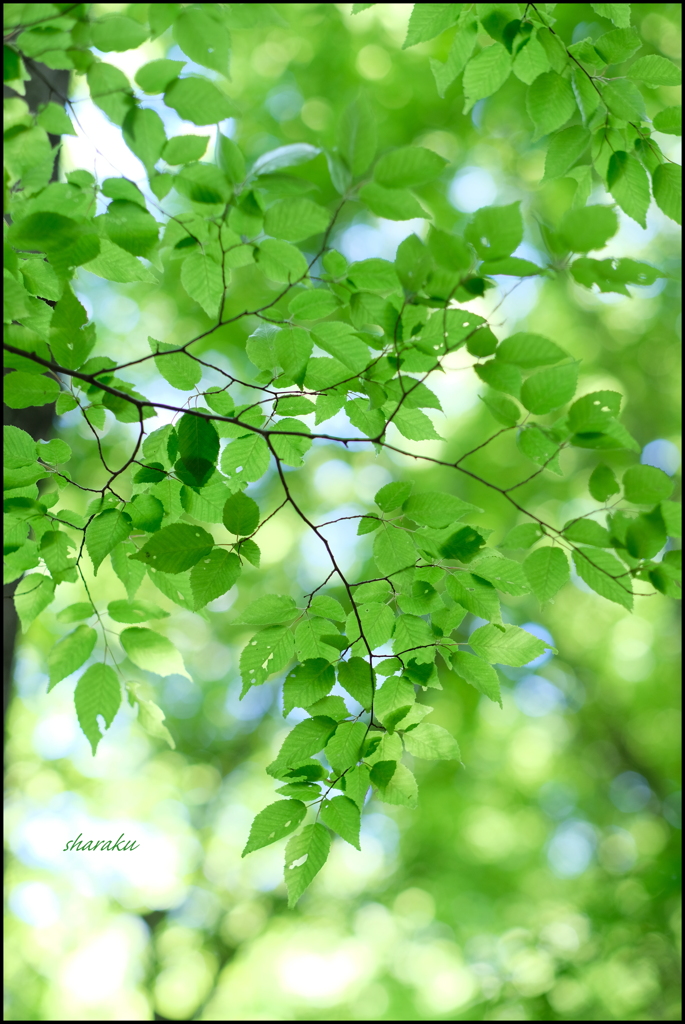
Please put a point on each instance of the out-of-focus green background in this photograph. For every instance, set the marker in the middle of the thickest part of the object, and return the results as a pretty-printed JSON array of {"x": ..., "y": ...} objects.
[{"x": 537, "y": 882}]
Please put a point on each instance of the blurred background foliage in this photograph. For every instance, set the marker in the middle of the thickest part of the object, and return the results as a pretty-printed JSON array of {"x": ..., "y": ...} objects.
[{"x": 538, "y": 882}]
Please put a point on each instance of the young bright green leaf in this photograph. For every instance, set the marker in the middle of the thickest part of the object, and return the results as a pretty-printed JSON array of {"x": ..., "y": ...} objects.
[
  {"x": 503, "y": 573},
  {"x": 55, "y": 452},
  {"x": 358, "y": 678},
  {"x": 213, "y": 575},
  {"x": 273, "y": 823},
  {"x": 129, "y": 572},
  {"x": 271, "y": 608},
  {"x": 436, "y": 510},
  {"x": 477, "y": 673},
  {"x": 496, "y": 231},
  {"x": 587, "y": 531},
  {"x": 432, "y": 742},
  {"x": 668, "y": 121},
  {"x": 151, "y": 717},
  {"x": 393, "y": 550},
  {"x": 547, "y": 571},
  {"x": 429, "y": 20},
  {"x": 408, "y": 166},
  {"x": 550, "y": 103},
  {"x": 565, "y": 149},
  {"x": 512, "y": 647},
  {"x": 357, "y": 135},
  {"x": 655, "y": 70},
  {"x": 476, "y": 595},
  {"x": 104, "y": 532},
  {"x": 307, "y": 684},
  {"x": 203, "y": 38},
  {"x": 645, "y": 485},
  {"x": 523, "y": 536},
  {"x": 241, "y": 514},
  {"x": 343, "y": 816},
  {"x": 295, "y": 219},
  {"x": 203, "y": 280},
  {"x": 144, "y": 134},
  {"x": 391, "y": 203},
  {"x": 667, "y": 187},
  {"x": 549, "y": 389},
  {"x": 628, "y": 183},
  {"x": 529, "y": 350},
  {"x": 70, "y": 653},
  {"x": 135, "y": 611},
  {"x": 152, "y": 651},
  {"x": 74, "y": 612},
  {"x": 268, "y": 651},
  {"x": 401, "y": 788},
  {"x": 588, "y": 228},
  {"x": 343, "y": 749},
  {"x": 621, "y": 43},
  {"x": 305, "y": 855},
  {"x": 97, "y": 693},
  {"x": 307, "y": 738},
  {"x": 117, "y": 33},
  {"x": 198, "y": 100},
  {"x": 157, "y": 76},
  {"x": 485, "y": 74},
  {"x": 23, "y": 390},
  {"x": 603, "y": 483},
  {"x": 175, "y": 548},
  {"x": 605, "y": 575}
]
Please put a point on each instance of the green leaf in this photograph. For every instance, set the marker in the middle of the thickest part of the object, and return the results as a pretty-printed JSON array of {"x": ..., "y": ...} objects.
[
  {"x": 415, "y": 425},
  {"x": 97, "y": 693},
  {"x": 537, "y": 444},
  {"x": 391, "y": 203},
  {"x": 547, "y": 571},
  {"x": 315, "y": 638},
  {"x": 667, "y": 186},
  {"x": 503, "y": 409},
  {"x": 213, "y": 575},
  {"x": 523, "y": 536},
  {"x": 305, "y": 855},
  {"x": 429, "y": 20},
  {"x": 586, "y": 531},
  {"x": 408, "y": 166},
  {"x": 32, "y": 595},
  {"x": 550, "y": 103},
  {"x": 203, "y": 38},
  {"x": 104, "y": 532},
  {"x": 291, "y": 441},
  {"x": 645, "y": 485},
  {"x": 152, "y": 651},
  {"x": 328, "y": 607},
  {"x": 23, "y": 390},
  {"x": 463, "y": 544},
  {"x": 655, "y": 70},
  {"x": 495, "y": 231},
  {"x": 358, "y": 678},
  {"x": 357, "y": 784},
  {"x": 512, "y": 647},
  {"x": 565, "y": 149},
  {"x": 175, "y": 548},
  {"x": 117, "y": 33},
  {"x": 54, "y": 452},
  {"x": 115, "y": 264},
  {"x": 392, "y": 495},
  {"x": 284, "y": 156},
  {"x": 146, "y": 512},
  {"x": 393, "y": 550},
  {"x": 605, "y": 575},
  {"x": 549, "y": 389},
  {"x": 476, "y": 595},
  {"x": 588, "y": 228},
  {"x": 241, "y": 514},
  {"x": 246, "y": 459},
  {"x": 313, "y": 305},
  {"x": 529, "y": 350},
  {"x": 131, "y": 227},
  {"x": 628, "y": 183},
  {"x": 671, "y": 513},
  {"x": 295, "y": 219},
  {"x": 135, "y": 611},
  {"x": 531, "y": 61},
  {"x": 198, "y": 100},
  {"x": 157, "y": 76},
  {"x": 436, "y": 509},
  {"x": 485, "y": 74},
  {"x": 55, "y": 120},
  {"x": 343, "y": 749},
  {"x": 307, "y": 738},
  {"x": 646, "y": 535},
  {"x": 432, "y": 742},
  {"x": 268, "y": 609},
  {"x": 130, "y": 573},
  {"x": 377, "y": 623},
  {"x": 19, "y": 448},
  {"x": 202, "y": 279},
  {"x": 74, "y": 612},
  {"x": 357, "y": 135},
  {"x": 503, "y": 573},
  {"x": 70, "y": 653},
  {"x": 394, "y": 700},
  {"x": 144, "y": 134},
  {"x": 54, "y": 549},
  {"x": 203, "y": 183},
  {"x": 618, "y": 45},
  {"x": 307, "y": 684},
  {"x": 281, "y": 261},
  {"x": 273, "y": 823},
  {"x": 624, "y": 100},
  {"x": 477, "y": 673},
  {"x": 618, "y": 13},
  {"x": 401, "y": 787},
  {"x": 300, "y": 790},
  {"x": 603, "y": 483},
  {"x": 668, "y": 121},
  {"x": 343, "y": 816},
  {"x": 268, "y": 651}
]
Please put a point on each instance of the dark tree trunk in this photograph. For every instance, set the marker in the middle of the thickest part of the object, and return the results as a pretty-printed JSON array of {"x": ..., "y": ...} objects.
[{"x": 44, "y": 85}]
